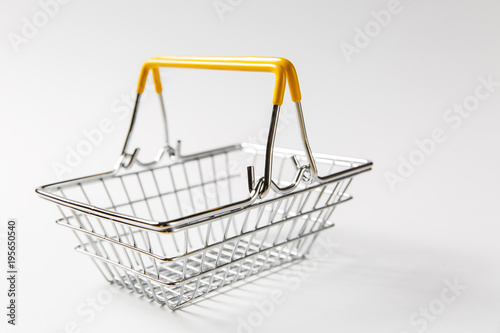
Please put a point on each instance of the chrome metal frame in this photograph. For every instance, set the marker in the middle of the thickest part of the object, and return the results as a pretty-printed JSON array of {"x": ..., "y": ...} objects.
[{"x": 133, "y": 254}]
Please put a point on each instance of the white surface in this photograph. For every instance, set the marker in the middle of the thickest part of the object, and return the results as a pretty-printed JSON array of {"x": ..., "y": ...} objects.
[{"x": 392, "y": 252}]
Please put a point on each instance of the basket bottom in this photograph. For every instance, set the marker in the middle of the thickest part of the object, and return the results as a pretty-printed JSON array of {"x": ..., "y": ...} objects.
[{"x": 177, "y": 295}]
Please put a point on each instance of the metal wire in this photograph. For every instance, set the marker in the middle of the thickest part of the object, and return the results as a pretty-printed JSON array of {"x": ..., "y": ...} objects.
[
  {"x": 179, "y": 267},
  {"x": 175, "y": 230}
]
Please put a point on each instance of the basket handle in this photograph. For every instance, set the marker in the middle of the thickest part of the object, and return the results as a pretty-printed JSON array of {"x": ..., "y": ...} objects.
[{"x": 282, "y": 68}]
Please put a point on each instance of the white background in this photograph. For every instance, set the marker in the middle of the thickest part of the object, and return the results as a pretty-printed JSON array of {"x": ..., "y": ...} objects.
[{"x": 393, "y": 248}]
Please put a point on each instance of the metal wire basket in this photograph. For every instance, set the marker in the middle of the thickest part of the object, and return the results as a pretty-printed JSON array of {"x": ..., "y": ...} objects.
[{"x": 183, "y": 226}]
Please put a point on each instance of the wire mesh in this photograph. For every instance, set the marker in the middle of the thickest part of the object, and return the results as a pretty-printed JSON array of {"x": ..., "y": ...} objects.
[{"x": 179, "y": 266}]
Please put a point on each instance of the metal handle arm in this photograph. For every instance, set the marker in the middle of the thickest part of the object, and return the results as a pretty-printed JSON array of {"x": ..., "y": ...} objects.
[{"x": 284, "y": 72}]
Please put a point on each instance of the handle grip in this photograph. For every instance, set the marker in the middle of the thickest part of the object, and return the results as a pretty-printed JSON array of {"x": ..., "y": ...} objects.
[{"x": 281, "y": 67}]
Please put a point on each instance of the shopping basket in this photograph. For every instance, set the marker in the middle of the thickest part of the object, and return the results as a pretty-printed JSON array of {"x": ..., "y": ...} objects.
[{"x": 183, "y": 226}]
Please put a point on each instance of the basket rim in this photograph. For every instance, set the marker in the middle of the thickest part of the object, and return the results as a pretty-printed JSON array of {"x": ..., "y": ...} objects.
[{"x": 362, "y": 165}]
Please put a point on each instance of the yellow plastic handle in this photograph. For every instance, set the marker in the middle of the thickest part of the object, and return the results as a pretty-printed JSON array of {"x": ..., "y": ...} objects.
[{"x": 281, "y": 67}]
